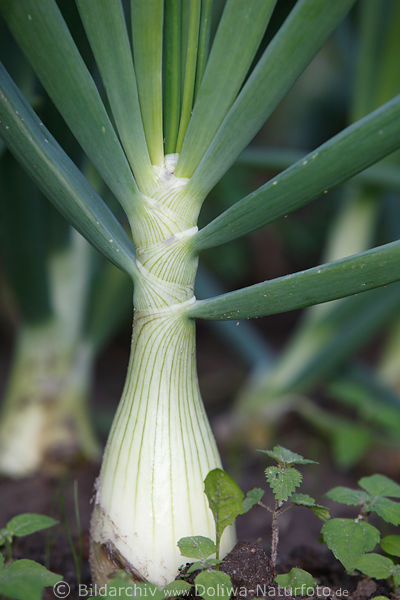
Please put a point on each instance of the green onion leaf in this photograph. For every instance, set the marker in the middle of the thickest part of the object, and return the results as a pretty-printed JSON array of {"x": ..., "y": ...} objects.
[
  {"x": 58, "y": 178},
  {"x": 358, "y": 273},
  {"x": 38, "y": 26}
]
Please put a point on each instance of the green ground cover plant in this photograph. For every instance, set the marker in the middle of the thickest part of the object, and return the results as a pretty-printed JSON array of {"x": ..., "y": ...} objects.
[
  {"x": 352, "y": 540},
  {"x": 23, "y": 579},
  {"x": 177, "y": 114}
]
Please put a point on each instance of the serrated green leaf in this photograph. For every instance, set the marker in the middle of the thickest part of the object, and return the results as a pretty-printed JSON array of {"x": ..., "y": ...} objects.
[
  {"x": 213, "y": 584},
  {"x": 302, "y": 500},
  {"x": 374, "y": 565},
  {"x": 388, "y": 510},
  {"x": 287, "y": 457},
  {"x": 349, "y": 539},
  {"x": 225, "y": 499},
  {"x": 305, "y": 500},
  {"x": 380, "y": 485},
  {"x": 176, "y": 588},
  {"x": 283, "y": 482},
  {"x": 196, "y": 546},
  {"x": 321, "y": 512},
  {"x": 298, "y": 581},
  {"x": 205, "y": 564},
  {"x": 252, "y": 498},
  {"x": 391, "y": 544},
  {"x": 351, "y": 275},
  {"x": 348, "y": 496},
  {"x": 28, "y": 523},
  {"x": 380, "y": 598},
  {"x": 26, "y": 579}
]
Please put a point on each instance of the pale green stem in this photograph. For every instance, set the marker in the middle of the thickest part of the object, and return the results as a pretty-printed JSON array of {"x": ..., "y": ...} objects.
[
  {"x": 44, "y": 421},
  {"x": 150, "y": 492}
]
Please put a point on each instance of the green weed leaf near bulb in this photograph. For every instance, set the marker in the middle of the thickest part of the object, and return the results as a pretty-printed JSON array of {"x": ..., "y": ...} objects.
[
  {"x": 24, "y": 579},
  {"x": 352, "y": 541}
]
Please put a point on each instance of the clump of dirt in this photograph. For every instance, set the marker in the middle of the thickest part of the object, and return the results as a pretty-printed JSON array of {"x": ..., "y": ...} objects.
[{"x": 249, "y": 569}]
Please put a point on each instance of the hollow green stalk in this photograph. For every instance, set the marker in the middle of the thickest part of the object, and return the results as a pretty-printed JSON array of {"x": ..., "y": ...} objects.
[{"x": 150, "y": 490}]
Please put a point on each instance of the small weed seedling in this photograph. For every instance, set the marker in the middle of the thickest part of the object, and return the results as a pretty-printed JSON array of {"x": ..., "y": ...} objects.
[
  {"x": 352, "y": 541},
  {"x": 283, "y": 479},
  {"x": 23, "y": 579},
  {"x": 227, "y": 501}
]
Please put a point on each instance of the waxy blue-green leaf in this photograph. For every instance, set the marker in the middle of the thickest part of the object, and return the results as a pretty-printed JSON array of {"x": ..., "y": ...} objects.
[
  {"x": 366, "y": 141},
  {"x": 105, "y": 27},
  {"x": 147, "y": 37},
  {"x": 382, "y": 175},
  {"x": 239, "y": 34},
  {"x": 172, "y": 73},
  {"x": 298, "y": 40},
  {"x": 204, "y": 41},
  {"x": 345, "y": 277},
  {"x": 23, "y": 242},
  {"x": 189, "y": 62},
  {"x": 58, "y": 178},
  {"x": 245, "y": 340},
  {"x": 39, "y": 27},
  {"x": 349, "y": 540}
]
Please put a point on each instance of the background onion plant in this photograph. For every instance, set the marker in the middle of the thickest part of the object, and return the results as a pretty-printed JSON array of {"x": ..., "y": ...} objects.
[{"x": 185, "y": 91}]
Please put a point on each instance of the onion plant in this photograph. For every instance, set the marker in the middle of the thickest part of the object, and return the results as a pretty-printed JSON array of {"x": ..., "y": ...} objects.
[
  {"x": 52, "y": 273},
  {"x": 179, "y": 116}
]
